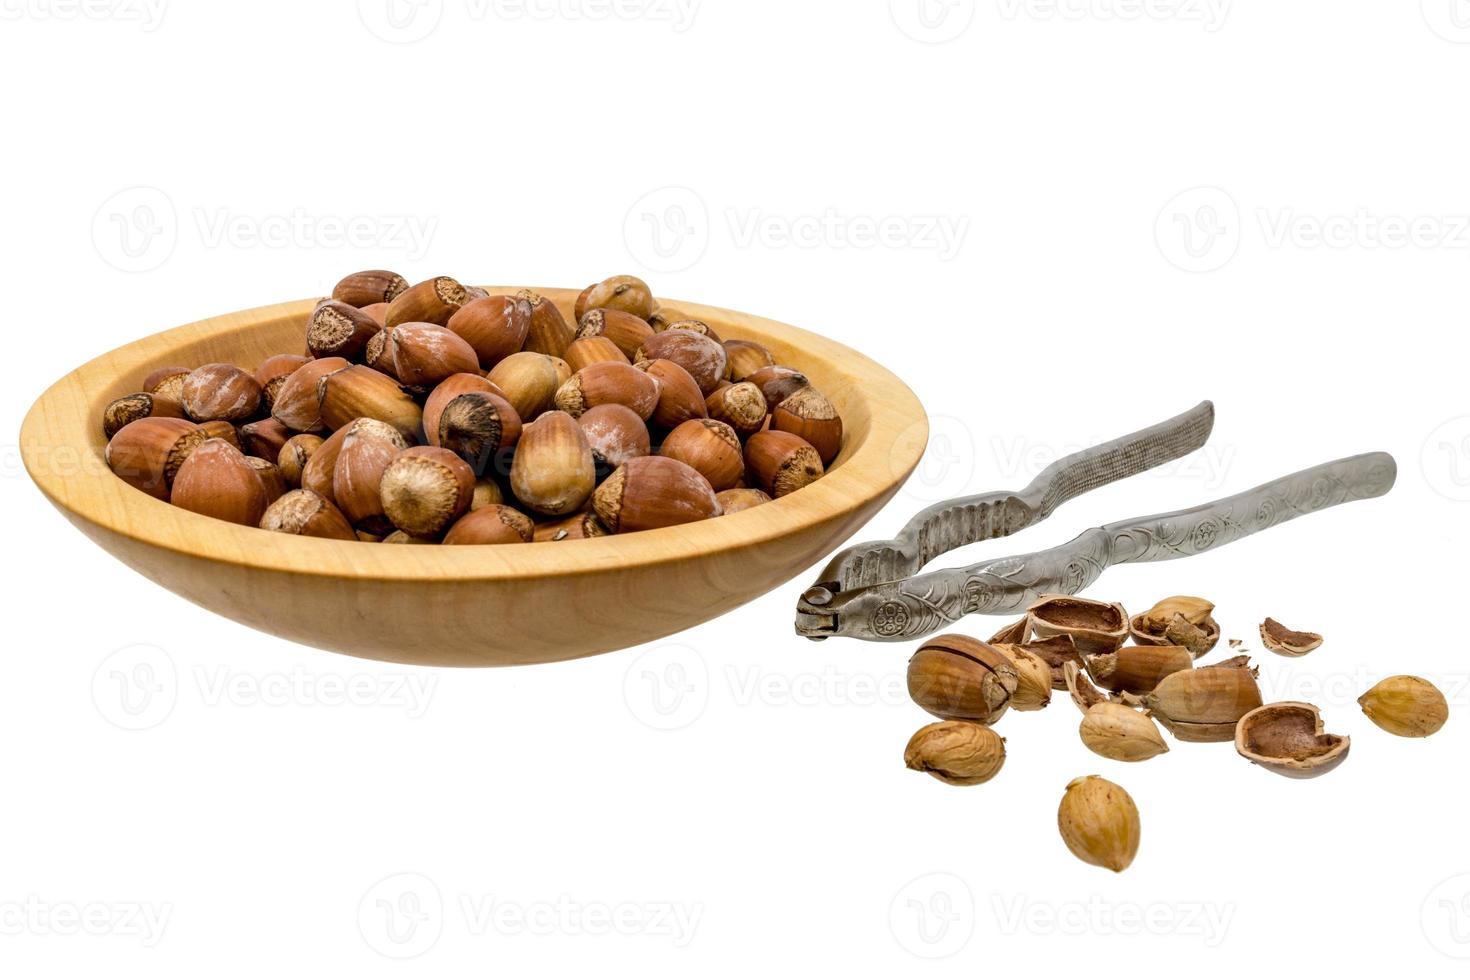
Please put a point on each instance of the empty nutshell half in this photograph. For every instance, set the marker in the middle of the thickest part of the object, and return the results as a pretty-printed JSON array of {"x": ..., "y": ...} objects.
[
  {"x": 1287, "y": 737},
  {"x": 1096, "y": 627},
  {"x": 1287, "y": 642}
]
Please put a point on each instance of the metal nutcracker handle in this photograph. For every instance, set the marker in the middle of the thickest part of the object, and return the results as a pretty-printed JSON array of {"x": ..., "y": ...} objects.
[
  {"x": 925, "y": 603},
  {"x": 965, "y": 520}
]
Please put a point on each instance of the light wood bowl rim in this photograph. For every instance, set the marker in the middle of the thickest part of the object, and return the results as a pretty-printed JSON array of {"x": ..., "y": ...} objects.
[{"x": 871, "y": 464}]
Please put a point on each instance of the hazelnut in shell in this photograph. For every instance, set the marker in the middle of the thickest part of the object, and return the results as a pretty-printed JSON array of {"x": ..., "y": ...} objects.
[
  {"x": 741, "y": 406},
  {"x": 217, "y": 481},
  {"x": 549, "y": 333},
  {"x": 425, "y": 489},
  {"x": 626, "y": 293},
  {"x": 294, "y": 454},
  {"x": 337, "y": 329},
  {"x": 615, "y": 433},
  {"x": 808, "y": 413},
  {"x": 425, "y": 354},
  {"x": 468, "y": 415},
  {"x": 273, "y": 372},
  {"x": 626, "y": 331},
  {"x": 495, "y": 524},
  {"x": 220, "y": 392},
  {"x": 432, "y": 301},
  {"x": 367, "y": 449},
  {"x": 652, "y": 492},
  {"x": 360, "y": 392},
  {"x": 702, "y": 357},
  {"x": 369, "y": 287},
  {"x": 147, "y": 454},
  {"x": 297, "y": 403},
  {"x": 679, "y": 397},
  {"x": 495, "y": 327},
  {"x": 780, "y": 462},
  {"x": 309, "y": 515},
  {"x": 741, "y": 498},
  {"x": 711, "y": 447},
  {"x": 608, "y": 383},
  {"x": 553, "y": 472},
  {"x": 528, "y": 381},
  {"x": 130, "y": 408}
]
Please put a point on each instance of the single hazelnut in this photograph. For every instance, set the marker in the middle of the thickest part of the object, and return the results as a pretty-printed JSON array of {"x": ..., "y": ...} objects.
[
  {"x": 294, "y": 454},
  {"x": 273, "y": 372},
  {"x": 608, "y": 383},
  {"x": 220, "y": 391},
  {"x": 781, "y": 462},
  {"x": 360, "y": 392},
  {"x": 1124, "y": 734},
  {"x": 1099, "y": 823},
  {"x": 528, "y": 381},
  {"x": 468, "y": 415},
  {"x": 777, "y": 383},
  {"x": 741, "y": 498},
  {"x": 491, "y": 525},
  {"x": 745, "y": 357},
  {"x": 166, "y": 381},
  {"x": 593, "y": 350},
  {"x": 807, "y": 413},
  {"x": 959, "y": 677},
  {"x": 626, "y": 293},
  {"x": 1204, "y": 705},
  {"x": 495, "y": 327},
  {"x": 741, "y": 406},
  {"x": 425, "y": 489},
  {"x": 309, "y": 515},
  {"x": 615, "y": 433},
  {"x": 147, "y": 454},
  {"x": 431, "y": 301},
  {"x": 625, "y": 330},
  {"x": 297, "y": 404},
  {"x": 316, "y": 475},
  {"x": 142, "y": 405},
  {"x": 711, "y": 447},
  {"x": 220, "y": 429},
  {"x": 487, "y": 493},
  {"x": 693, "y": 326},
  {"x": 550, "y": 333},
  {"x": 217, "y": 481},
  {"x": 553, "y": 471},
  {"x": 679, "y": 397},
  {"x": 264, "y": 439},
  {"x": 336, "y": 329},
  {"x": 367, "y": 449},
  {"x": 961, "y": 753},
  {"x": 651, "y": 492},
  {"x": 369, "y": 287},
  {"x": 425, "y": 354},
  {"x": 702, "y": 357},
  {"x": 1407, "y": 706}
]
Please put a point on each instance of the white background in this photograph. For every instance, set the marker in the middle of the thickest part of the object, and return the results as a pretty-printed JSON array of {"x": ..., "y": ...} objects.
[{"x": 1141, "y": 205}]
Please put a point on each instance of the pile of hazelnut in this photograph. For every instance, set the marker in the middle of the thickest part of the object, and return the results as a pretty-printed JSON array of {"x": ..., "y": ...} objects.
[{"x": 440, "y": 413}]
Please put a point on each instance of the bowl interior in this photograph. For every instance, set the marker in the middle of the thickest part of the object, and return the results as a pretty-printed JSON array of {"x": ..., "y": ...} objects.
[{"x": 62, "y": 444}]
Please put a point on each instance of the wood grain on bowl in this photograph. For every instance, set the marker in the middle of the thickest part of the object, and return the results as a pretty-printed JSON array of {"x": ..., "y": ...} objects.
[{"x": 476, "y": 605}]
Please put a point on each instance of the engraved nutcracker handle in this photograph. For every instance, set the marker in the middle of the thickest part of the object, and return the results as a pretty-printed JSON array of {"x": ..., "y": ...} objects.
[
  {"x": 963, "y": 521},
  {"x": 929, "y": 602}
]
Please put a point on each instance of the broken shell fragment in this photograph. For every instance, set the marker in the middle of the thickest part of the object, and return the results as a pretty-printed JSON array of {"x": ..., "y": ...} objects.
[
  {"x": 1084, "y": 694},
  {"x": 1407, "y": 706},
  {"x": 1096, "y": 627},
  {"x": 1138, "y": 670},
  {"x": 1120, "y": 733},
  {"x": 1033, "y": 687},
  {"x": 961, "y": 753},
  {"x": 1288, "y": 643},
  {"x": 1203, "y": 705},
  {"x": 1099, "y": 823},
  {"x": 1155, "y": 620},
  {"x": 1017, "y": 632},
  {"x": 1057, "y": 651},
  {"x": 1287, "y": 738},
  {"x": 960, "y": 678}
]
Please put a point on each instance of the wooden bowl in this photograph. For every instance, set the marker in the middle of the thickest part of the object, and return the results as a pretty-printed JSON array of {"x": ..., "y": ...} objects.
[{"x": 468, "y": 605}]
